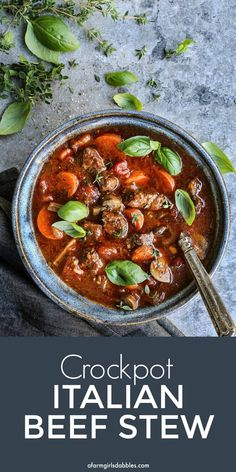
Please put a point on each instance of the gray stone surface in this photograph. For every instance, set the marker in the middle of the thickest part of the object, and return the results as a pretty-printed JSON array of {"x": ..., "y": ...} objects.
[{"x": 197, "y": 91}]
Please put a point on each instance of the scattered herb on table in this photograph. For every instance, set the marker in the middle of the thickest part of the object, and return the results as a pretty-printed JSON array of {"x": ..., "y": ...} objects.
[
  {"x": 140, "y": 53},
  {"x": 181, "y": 48},
  {"x": 220, "y": 158},
  {"x": 46, "y": 35},
  {"x": 127, "y": 100},
  {"x": 151, "y": 82},
  {"x": 119, "y": 78}
]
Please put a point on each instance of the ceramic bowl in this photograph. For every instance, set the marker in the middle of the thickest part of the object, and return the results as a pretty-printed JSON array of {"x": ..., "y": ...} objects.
[{"x": 45, "y": 278}]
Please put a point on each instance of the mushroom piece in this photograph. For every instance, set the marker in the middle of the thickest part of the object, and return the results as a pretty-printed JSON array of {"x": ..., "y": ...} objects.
[
  {"x": 161, "y": 271},
  {"x": 131, "y": 300},
  {"x": 70, "y": 246},
  {"x": 94, "y": 231},
  {"x": 109, "y": 183},
  {"x": 112, "y": 202}
]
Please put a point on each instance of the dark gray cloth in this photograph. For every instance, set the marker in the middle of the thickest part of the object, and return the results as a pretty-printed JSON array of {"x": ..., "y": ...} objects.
[{"x": 26, "y": 311}]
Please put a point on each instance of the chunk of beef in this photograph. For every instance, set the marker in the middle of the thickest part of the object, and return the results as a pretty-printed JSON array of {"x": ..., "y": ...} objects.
[
  {"x": 115, "y": 224},
  {"x": 112, "y": 202},
  {"x": 92, "y": 161},
  {"x": 141, "y": 200},
  {"x": 88, "y": 194},
  {"x": 72, "y": 267},
  {"x": 195, "y": 187},
  {"x": 148, "y": 200},
  {"x": 90, "y": 260},
  {"x": 94, "y": 231},
  {"x": 145, "y": 239},
  {"x": 109, "y": 182}
]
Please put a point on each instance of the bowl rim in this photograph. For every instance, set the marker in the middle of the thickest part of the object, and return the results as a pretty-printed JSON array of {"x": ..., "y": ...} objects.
[{"x": 16, "y": 223}]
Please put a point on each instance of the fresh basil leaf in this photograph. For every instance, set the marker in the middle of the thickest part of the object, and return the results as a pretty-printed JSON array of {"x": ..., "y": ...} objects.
[
  {"x": 185, "y": 206},
  {"x": 219, "y": 157},
  {"x": 125, "y": 273},
  {"x": 168, "y": 159},
  {"x": 117, "y": 79},
  {"x": 73, "y": 211},
  {"x": 14, "y": 118},
  {"x": 37, "y": 48},
  {"x": 72, "y": 229},
  {"x": 53, "y": 33},
  {"x": 138, "y": 146},
  {"x": 127, "y": 100}
]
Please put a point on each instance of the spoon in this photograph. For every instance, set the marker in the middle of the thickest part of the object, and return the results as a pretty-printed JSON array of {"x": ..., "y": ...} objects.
[{"x": 220, "y": 317}]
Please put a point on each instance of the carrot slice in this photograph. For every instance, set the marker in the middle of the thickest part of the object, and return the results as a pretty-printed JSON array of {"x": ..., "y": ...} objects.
[
  {"x": 45, "y": 220},
  {"x": 166, "y": 180},
  {"x": 137, "y": 177},
  {"x": 68, "y": 182},
  {"x": 107, "y": 145},
  {"x": 136, "y": 217},
  {"x": 142, "y": 253}
]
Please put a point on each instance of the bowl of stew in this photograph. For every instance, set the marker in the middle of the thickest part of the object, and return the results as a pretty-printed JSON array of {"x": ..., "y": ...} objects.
[{"x": 98, "y": 210}]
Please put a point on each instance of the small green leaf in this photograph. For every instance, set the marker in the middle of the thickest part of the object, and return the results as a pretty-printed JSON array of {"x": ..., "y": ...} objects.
[
  {"x": 185, "y": 206},
  {"x": 138, "y": 146},
  {"x": 168, "y": 159},
  {"x": 14, "y": 118},
  {"x": 37, "y": 48},
  {"x": 53, "y": 33},
  {"x": 127, "y": 100},
  {"x": 147, "y": 290},
  {"x": 219, "y": 157},
  {"x": 181, "y": 48},
  {"x": 72, "y": 229},
  {"x": 125, "y": 273},
  {"x": 6, "y": 41},
  {"x": 117, "y": 79},
  {"x": 73, "y": 211}
]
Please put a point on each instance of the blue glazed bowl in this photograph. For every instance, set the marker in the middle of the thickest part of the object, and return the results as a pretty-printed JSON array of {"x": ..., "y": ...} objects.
[{"x": 45, "y": 278}]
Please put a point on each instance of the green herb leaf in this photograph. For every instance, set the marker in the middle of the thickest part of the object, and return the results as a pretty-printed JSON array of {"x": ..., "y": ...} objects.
[
  {"x": 138, "y": 146},
  {"x": 147, "y": 290},
  {"x": 181, "y": 48},
  {"x": 72, "y": 229},
  {"x": 73, "y": 211},
  {"x": 6, "y": 41},
  {"x": 127, "y": 100},
  {"x": 139, "y": 53},
  {"x": 14, "y": 118},
  {"x": 53, "y": 33},
  {"x": 168, "y": 159},
  {"x": 185, "y": 206},
  {"x": 117, "y": 79},
  {"x": 125, "y": 273},
  {"x": 219, "y": 157},
  {"x": 37, "y": 48}
]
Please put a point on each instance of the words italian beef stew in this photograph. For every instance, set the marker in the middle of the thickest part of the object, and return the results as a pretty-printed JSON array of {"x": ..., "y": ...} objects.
[{"x": 108, "y": 211}]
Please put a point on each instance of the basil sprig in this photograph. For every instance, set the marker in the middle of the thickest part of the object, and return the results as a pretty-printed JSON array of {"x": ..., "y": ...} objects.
[
  {"x": 127, "y": 100},
  {"x": 54, "y": 34},
  {"x": 219, "y": 157},
  {"x": 14, "y": 118},
  {"x": 73, "y": 211},
  {"x": 71, "y": 229},
  {"x": 138, "y": 146},
  {"x": 37, "y": 48},
  {"x": 185, "y": 206},
  {"x": 125, "y": 273},
  {"x": 117, "y": 79},
  {"x": 168, "y": 159}
]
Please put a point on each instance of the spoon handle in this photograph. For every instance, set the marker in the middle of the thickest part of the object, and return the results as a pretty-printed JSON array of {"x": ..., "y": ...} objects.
[{"x": 220, "y": 317}]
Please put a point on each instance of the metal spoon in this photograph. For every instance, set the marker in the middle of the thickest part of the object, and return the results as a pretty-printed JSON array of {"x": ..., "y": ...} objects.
[{"x": 220, "y": 317}]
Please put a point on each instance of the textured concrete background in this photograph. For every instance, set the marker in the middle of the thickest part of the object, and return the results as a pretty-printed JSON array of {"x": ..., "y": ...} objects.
[{"x": 197, "y": 91}]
